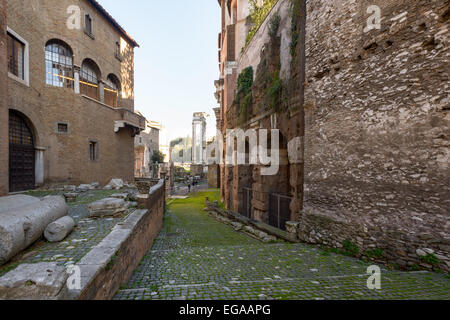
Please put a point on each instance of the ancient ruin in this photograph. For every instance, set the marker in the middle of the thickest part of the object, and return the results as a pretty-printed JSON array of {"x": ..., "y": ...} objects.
[{"x": 362, "y": 117}]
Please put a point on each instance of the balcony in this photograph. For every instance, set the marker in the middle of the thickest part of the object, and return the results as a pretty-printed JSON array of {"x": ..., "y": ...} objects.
[{"x": 128, "y": 119}]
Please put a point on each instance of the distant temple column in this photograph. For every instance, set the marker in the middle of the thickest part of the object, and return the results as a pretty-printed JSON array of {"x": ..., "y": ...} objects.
[{"x": 199, "y": 143}]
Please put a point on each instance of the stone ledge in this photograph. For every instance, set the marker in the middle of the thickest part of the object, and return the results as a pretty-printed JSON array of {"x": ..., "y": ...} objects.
[
  {"x": 262, "y": 227},
  {"x": 112, "y": 262},
  {"x": 96, "y": 261}
]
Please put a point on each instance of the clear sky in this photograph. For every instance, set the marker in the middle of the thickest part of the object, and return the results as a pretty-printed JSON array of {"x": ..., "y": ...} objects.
[{"x": 177, "y": 62}]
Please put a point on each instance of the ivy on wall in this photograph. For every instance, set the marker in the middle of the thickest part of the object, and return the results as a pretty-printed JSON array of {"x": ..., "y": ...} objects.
[
  {"x": 295, "y": 25},
  {"x": 244, "y": 98}
]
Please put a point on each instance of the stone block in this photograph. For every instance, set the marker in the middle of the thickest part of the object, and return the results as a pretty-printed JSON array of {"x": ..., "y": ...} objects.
[
  {"x": 107, "y": 207},
  {"x": 95, "y": 185},
  {"x": 292, "y": 226},
  {"x": 70, "y": 188},
  {"x": 60, "y": 229},
  {"x": 269, "y": 239},
  {"x": 116, "y": 184},
  {"x": 123, "y": 196},
  {"x": 71, "y": 196},
  {"x": 40, "y": 281},
  {"x": 84, "y": 187}
]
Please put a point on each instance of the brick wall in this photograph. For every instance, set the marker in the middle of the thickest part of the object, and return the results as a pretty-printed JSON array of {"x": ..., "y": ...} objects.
[
  {"x": 66, "y": 156},
  {"x": 3, "y": 102}
]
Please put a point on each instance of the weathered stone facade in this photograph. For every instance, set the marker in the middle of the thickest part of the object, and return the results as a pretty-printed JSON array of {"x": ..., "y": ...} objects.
[
  {"x": 65, "y": 157},
  {"x": 265, "y": 58},
  {"x": 3, "y": 102},
  {"x": 365, "y": 142},
  {"x": 377, "y": 126}
]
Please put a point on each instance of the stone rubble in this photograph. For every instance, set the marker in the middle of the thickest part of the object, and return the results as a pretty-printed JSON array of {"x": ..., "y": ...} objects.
[
  {"x": 116, "y": 184},
  {"x": 237, "y": 226},
  {"x": 123, "y": 196}
]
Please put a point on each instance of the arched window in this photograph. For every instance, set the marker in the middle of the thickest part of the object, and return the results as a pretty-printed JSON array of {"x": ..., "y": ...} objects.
[
  {"x": 112, "y": 90},
  {"x": 89, "y": 76},
  {"x": 59, "y": 64}
]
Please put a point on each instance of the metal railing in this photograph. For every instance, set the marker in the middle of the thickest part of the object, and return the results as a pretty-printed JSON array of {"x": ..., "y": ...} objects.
[
  {"x": 279, "y": 210},
  {"x": 247, "y": 196}
]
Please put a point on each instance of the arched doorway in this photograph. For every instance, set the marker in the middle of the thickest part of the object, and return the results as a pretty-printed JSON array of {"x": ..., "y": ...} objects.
[{"x": 21, "y": 153}]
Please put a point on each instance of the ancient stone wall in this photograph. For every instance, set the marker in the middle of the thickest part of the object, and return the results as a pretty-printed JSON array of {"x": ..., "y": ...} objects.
[
  {"x": 377, "y": 127},
  {"x": 3, "y": 102},
  {"x": 213, "y": 176},
  {"x": 66, "y": 155},
  {"x": 271, "y": 103},
  {"x": 371, "y": 124}
]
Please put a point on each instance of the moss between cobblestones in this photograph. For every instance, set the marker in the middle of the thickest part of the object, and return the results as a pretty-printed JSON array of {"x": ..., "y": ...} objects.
[
  {"x": 189, "y": 213},
  {"x": 196, "y": 257}
]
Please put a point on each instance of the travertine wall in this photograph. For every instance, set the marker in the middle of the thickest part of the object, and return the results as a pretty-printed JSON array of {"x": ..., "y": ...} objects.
[
  {"x": 378, "y": 127},
  {"x": 66, "y": 156},
  {"x": 3, "y": 102}
]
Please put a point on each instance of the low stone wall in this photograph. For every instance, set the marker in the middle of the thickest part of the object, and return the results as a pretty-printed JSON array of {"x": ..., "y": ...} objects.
[
  {"x": 255, "y": 229},
  {"x": 406, "y": 248},
  {"x": 110, "y": 264}
]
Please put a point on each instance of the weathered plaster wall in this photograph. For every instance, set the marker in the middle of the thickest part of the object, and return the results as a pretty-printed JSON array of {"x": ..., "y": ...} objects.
[
  {"x": 378, "y": 127},
  {"x": 3, "y": 102}
]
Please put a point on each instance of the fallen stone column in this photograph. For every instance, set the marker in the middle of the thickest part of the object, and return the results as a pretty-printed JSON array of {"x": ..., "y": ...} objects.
[
  {"x": 107, "y": 207},
  {"x": 22, "y": 226},
  {"x": 60, "y": 229},
  {"x": 13, "y": 202}
]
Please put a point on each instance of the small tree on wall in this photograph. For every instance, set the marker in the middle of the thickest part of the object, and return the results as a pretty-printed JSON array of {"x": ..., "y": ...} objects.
[{"x": 158, "y": 157}]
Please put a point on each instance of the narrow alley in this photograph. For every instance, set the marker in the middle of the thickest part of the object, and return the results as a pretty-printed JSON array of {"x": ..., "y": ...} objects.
[{"x": 197, "y": 257}]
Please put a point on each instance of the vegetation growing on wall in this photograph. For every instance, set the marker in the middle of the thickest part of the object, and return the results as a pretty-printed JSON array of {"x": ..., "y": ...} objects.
[
  {"x": 295, "y": 24},
  {"x": 274, "y": 25},
  {"x": 274, "y": 92},
  {"x": 158, "y": 157},
  {"x": 244, "y": 98},
  {"x": 257, "y": 16}
]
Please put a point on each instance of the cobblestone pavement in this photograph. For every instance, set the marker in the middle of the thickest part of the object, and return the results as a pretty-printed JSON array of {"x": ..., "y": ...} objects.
[
  {"x": 87, "y": 234},
  {"x": 196, "y": 257}
]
